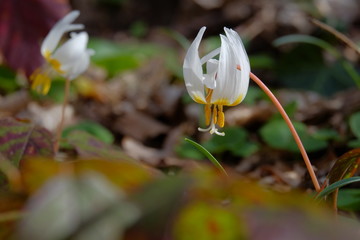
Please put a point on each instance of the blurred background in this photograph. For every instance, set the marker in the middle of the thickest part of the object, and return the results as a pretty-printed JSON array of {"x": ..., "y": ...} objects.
[{"x": 133, "y": 94}]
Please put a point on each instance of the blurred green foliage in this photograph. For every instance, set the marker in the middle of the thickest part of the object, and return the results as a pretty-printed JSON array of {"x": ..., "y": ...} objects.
[
  {"x": 236, "y": 141},
  {"x": 276, "y": 134},
  {"x": 354, "y": 122},
  {"x": 304, "y": 67},
  {"x": 93, "y": 128},
  {"x": 119, "y": 57},
  {"x": 349, "y": 199},
  {"x": 8, "y": 81}
]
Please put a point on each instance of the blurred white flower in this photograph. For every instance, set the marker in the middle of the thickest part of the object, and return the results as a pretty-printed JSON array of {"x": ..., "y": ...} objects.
[
  {"x": 69, "y": 59},
  {"x": 225, "y": 82}
]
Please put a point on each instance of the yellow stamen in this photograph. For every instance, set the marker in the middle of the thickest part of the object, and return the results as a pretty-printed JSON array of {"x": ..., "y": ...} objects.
[
  {"x": 214, "y": 114},
  {"x": 221, "y": 117},
  {"x": 209, "y": 94},
  {"x": 40, "y": 82},
  {"x": 207, "y": 114}
]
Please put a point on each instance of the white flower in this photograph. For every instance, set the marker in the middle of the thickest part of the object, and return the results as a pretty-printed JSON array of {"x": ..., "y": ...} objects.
[
  {"x": 226, "y": 80},
  {"x": 69, "y": 60}
]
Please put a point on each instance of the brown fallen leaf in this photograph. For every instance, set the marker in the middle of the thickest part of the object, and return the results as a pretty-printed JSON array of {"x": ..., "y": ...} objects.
[
  {"x": 138, "y": 125},
  {"x": 138, "y": 151}
]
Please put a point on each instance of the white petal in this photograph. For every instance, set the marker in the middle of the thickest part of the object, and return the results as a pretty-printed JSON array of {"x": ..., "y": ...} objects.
[
  {"x": 225, "y": 79},
  {"x": 242, "y": 60},
  {"x": 64, "y": 25},
  {"x": 209, "y": 56},
  {"x": 78, "y": 66},
  {"x": 71, "y": 48},
  {"x": 73, "y": 55},
  {"x": 211, "y": 70},
  {"x": 192, "y": 70}
]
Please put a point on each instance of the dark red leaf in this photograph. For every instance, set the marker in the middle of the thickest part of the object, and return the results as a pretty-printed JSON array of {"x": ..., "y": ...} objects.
[{"x": 23, "y": 25}]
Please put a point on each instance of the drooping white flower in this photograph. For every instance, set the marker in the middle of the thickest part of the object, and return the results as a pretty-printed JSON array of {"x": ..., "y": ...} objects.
[
  {"x": 225, "y": 81},
  {"x": 69, "y": 59}
]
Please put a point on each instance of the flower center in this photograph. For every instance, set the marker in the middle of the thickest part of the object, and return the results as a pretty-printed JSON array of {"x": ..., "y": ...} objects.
[
  {"x": 214, "y": 114},
  {"x": 55, "y": 64}
]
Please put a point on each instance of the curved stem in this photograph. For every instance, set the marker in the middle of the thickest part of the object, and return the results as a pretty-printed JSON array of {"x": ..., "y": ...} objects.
[
  {"x": 291, "y": 127},
  {"x": 62, "y": 120}
]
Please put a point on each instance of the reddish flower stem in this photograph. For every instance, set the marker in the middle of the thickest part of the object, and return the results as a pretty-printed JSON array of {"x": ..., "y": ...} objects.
[
  {"x": 291, "y": 127},
  {"x": 62, "y": 120}
]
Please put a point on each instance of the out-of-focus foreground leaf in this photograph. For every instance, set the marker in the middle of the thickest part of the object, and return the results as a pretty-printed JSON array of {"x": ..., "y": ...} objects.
[
  {"x": 19, "y": 140},
  {"x": 127, "y": 175},
  {"x": 23, "y": 25},
  {"x": 65, "y": 208},
  {"x": 206, "y": 221},
  {"x": 99, "y": 199}
]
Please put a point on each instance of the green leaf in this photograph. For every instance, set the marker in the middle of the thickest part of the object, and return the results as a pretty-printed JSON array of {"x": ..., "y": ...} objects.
[
  {"x": 87, "y": 207},
  {"x": 207, "y": 154},
  {"x": 19, "y": 140},
  {"x": 354, "y": 122},
  {"x": 298, "y": 38},
  {"x": 277, "y": 135},
  {"x": 327, "y": 134},
  {"x": 235, "y": 141},
  {"x": 246, "y": 149},
  {"x": 331, "y": 188},
  {"x": 89, "y": 146},
  {"x": 93, "y": 128},
  {"x": 349, "y": 199},
  {"x": 187, "y": 150}
]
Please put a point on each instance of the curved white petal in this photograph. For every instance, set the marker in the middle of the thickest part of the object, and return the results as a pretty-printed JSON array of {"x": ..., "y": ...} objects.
[
  {"x": 211, "y": 71},
  {"x": 192, "y": 70},
  {"x": 226, "y": 74},
  {"x": 241, "y": 59},
  {"x": 64, "y": 25},
  {"x": 73, "y": 55},
  {"x": 232, "y": 84},
  {"x": 78, "y": 66}
]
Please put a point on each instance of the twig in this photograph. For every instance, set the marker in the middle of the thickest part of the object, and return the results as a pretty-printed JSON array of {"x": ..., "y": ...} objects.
[
  {"x": 62, "y": 120},
  {"x": 291, "y": 127},
  {"x": 337, "y": 34}
]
